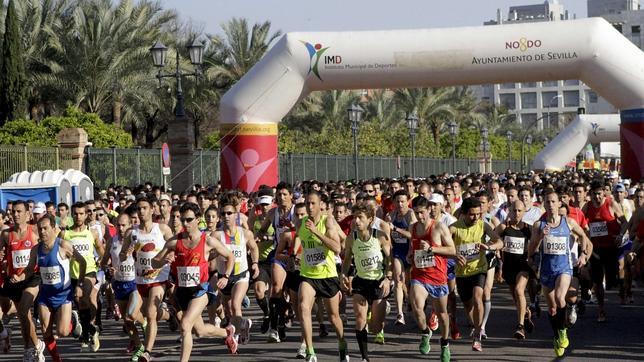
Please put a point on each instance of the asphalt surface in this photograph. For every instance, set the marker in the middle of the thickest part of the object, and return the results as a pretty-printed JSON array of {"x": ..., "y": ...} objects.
[{"x": 620, "y": 338}]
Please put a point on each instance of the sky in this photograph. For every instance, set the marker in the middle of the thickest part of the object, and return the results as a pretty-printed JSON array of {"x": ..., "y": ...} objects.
[{"x": 346, "y": 15}]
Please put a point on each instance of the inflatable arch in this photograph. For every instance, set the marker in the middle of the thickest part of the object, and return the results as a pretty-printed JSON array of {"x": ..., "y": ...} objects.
[{"x": 588, "y": 49}]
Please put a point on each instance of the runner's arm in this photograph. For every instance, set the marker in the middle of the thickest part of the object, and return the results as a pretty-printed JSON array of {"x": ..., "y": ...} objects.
[
  {"x": 215, "y": 244},
  {"x": 535, "y": 240},
  {"x": 584, "y": 242},
  {"x": 106, "y": 256},
  {"x": 446, "y": 247},
  {"x": 496, "y": 243},
  {"x": 74, "y": 254},
  {"x": 161, "y": 258},
  {"x": 387, "y": 263},
  {"x": 100, "y": 249},
  {"x": 348, "y": 254},
  {"x": 251, "y": 245},
  {"x": 127, "y": 248},
  {"x": 33, "y": 258}
]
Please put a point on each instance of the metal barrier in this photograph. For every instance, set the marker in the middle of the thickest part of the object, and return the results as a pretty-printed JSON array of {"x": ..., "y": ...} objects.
[{"x": 135, "y": 166}]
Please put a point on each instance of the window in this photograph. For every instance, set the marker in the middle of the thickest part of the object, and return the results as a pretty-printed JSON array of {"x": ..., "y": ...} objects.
[
  {"x": 571, "y": 82},
  {"x": 549, "y": 99},
  {"x": 635, "y": 29},
  {"x": 527, "y": 119},
  {"x": 508, "y": 100},
  {"x": 592, "y": 96},
  {"x": 571, "y": 98},
  {"x": 529, "y": 85},
  {"x": 507, "y": 86},
  {"x": 528, "y": 100},
  {"x": 550, "y": 83},
  {"x": 618, "y": 27},
  {"x": 551, "y": 120}
]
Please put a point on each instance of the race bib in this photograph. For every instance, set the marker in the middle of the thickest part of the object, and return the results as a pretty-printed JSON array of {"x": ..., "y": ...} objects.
[
  {"x": 21, "y": 258},
  {"x": 372, "y": 260},
  {"x": 513, "y": 245},
  {"x": 423, "y": 259},
  {"x": 82, "y": 247},
  {"x": 314, "y": 257},
  {"x": 50, "y": 275},
  {"x": 144, "y": 260},
  {"x": 237, "y": 251},
  {"x": 126, "y": 272},
  {"x": 189, "y": 276},
  {"x": 555, "y": 245},
  {"x": 598, "y": 228},
  {"x": 471, "y": 251},
  {"x": 398, "y": 238}
]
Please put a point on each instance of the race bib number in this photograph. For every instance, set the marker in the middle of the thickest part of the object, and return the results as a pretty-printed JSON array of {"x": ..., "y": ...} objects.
[
  {"x": 21, "y": 258},
  {"x": 598, "y": 228},
  {"x": 144, "y": 260},
  {"x": 82, "y": 247},
  {"x": 50, "y": 275},
  {"x": 371, "y": 261},
  {"x": 423, "y": 259},
  {"x": 471, "y": 251},
  {"x": 237, "y": 251},
  {"x": 398, "y": 238},
  {"x": 126, "y": 272},
  {"x": 314, "y": 257},
  {"x": 189, "y": 276},
  {"x": 513, "y": 245},
  {"x": 555, "y": 245}
]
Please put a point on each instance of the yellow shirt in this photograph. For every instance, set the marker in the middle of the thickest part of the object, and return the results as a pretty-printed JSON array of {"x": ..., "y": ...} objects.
[{"x": 467, "y": 240}]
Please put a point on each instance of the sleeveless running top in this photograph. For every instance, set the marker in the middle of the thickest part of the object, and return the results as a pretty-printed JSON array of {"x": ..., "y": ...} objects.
[
  {"x": 367, "y": 256},
  {"x": 318, "y": 261},
  {"x": 237, "y": 245},
  {"x": 125, "y": 271},
  {"x": 401, "y": 223},
  {"x": 190, "y": 266},
  {"x": 555, "y": 248},
  {"x": 19, "y": 251},
  {"x": 146, "y": 247},
  {"x": 83, "y": 242},
  {"x": 602, "y": 224},
  {"x": 515, "y": 241},
  {"x": 467, "y": 240},
  {"x": 427, "y": 268},
  {"x": 54, "y": 270},
  {"x": 265, "y": 246}
]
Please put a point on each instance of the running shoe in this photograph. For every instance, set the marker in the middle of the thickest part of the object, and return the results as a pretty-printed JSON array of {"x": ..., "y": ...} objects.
[
  {"x": 559, "y": 351},
  {"x": 231, "y": 341},
  {"x": 5, "y": 340},
  {"x": 39, "y": 351},
  {"x": 400, "y": 319},
  {"x": 145, "y": 357},
  {"x": 117, "y": 313},
  {"x": 380, "y": 337},
  {"x": 387, "y": 308},
  {"x": 137, "y": 354},
  {"x": 85, "y": 347},
  {"x": 453, "y": 328},
  {"x": 519, "y": 333},
  {"x": 245, "y": 302},
  {"x": 446, "y": 354},
  {"x": 244, "y": 336},
  {"x": 95, "y": 342},
  {"x": 310, "y": 358},
  {"x": 424, "y": 346},
  {"x": 528, "y": 323},
  {"x": 301, "y": 352},
  {"x": 562, "y": 339},
  {"x": 571, "y": 315},
  {"x": 476, "y": 345},
  {"x": 433, "y": 322},
  {"x": 266, "y": 324},
  {"x": 130, "y": 347},
  {"x": 173, "y": 322},
  {"x": 281, "y": 331},
  {"x": 343, "y": 350},
  {"x": 273, "y": 336},
  {"x": 323, "y": 331},
  {"x": 483, "y": 334},
  {"x": 77, "y": 328},
  {"x": 602, "y": 317}
]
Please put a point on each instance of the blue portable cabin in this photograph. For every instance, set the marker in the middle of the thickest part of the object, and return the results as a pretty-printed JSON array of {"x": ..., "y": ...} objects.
[
  {"x": 82, "y": 186},
  {"x": 38, "y": 186}
]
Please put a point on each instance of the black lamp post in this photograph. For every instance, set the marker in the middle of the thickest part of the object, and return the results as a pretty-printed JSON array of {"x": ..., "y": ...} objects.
[
  {"x": 485, "y": 146},
  {"x": 355, "y": 113},
  {"x": 508, "y": 134},
  {"x": 524, "y": 157},
  {"x": 452, "y": 133},
  {"x": 412, "y": 125},
  {"x": 180, "y": 134}
]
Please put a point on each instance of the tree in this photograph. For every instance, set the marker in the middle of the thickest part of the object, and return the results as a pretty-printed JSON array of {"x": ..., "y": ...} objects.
[
  {"x": 13, "y": 100},
  {"x": 432, "y": 106}
]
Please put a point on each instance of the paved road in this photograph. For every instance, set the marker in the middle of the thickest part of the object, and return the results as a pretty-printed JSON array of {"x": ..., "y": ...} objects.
[{"x": 618, "y": 339}]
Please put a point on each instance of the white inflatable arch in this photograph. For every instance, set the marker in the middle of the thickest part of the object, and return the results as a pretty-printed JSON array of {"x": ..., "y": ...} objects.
[{"x": 589, "y": 49}]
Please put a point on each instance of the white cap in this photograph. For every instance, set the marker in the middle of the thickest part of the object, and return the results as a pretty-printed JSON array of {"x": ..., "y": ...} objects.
[
  {"x": 267, "y": 199},
  {"x": 39, "y": 208},
  {"x": 437, "y": 199}
]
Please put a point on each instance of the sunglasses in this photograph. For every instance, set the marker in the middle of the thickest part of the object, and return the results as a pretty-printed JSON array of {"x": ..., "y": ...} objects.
[
  {"x": 187, "y": 219},
  {"x": 369, "y": 191},
  {"x": 227, "y": 213},
  {"x": 100, "y": 214},
  {"x": 91, "y": 210}
]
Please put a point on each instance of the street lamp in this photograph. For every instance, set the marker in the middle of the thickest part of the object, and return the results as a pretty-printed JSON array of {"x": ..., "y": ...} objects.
[
  {"x": 452, "y": 133},
  {"x": 524, "y": 157},
  {"x": 508, "y": 134},
  {"x": 485, "y": 146},
  {"x": 550, "y": 104},
  {"x": 180, "y": 135},
  {"x": 545, "y": 141},
  {"x": 355, "y": 112},
  {"x": 412, "y": 125}
]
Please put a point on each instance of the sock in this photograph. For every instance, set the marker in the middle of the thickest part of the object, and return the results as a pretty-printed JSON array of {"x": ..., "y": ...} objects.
[
  {"x": 85, "y": 317},
  {"x": 281, "y": 312},
  {"x": 444, "y": 342},
  {"x": 553, "y": 323},
  {"x": 263, "y": 305},
  {"x": 310, "y": 351},
  {"x": 424, "y": 331},
  {"x": 362, "y": 338},
  {"x": 273, "y": 311},
  {"x": 561, "y": 318},
  {"x": 487, "y": 306},
  {"x": 50, "y": 344}
]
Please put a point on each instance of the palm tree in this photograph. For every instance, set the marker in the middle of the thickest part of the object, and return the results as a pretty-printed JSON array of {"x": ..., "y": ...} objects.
[
  {"x": 238, "y": 50},
  {"x": 381, "y": 107},
  {"x": 433, "y": 107}
]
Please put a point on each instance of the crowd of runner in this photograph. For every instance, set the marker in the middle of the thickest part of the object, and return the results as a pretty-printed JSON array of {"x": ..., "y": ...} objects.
[{"x": 412, "y": 246}]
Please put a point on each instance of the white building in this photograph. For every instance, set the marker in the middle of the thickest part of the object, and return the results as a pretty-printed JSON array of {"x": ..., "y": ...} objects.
[{"x": 552, "y": 103}]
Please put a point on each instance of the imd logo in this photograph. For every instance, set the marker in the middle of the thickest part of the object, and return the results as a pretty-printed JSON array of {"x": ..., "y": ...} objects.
[{"x": 315, "y": 54}]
